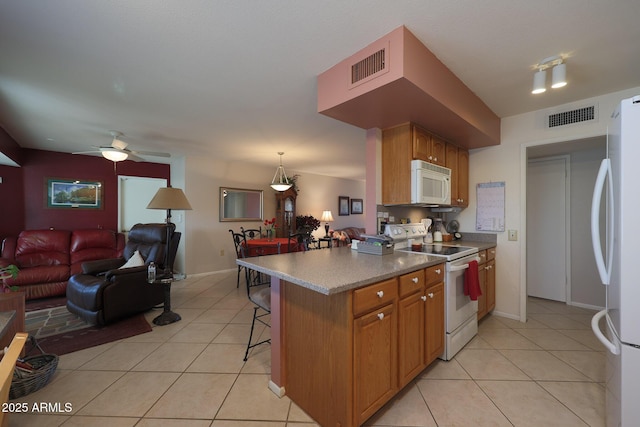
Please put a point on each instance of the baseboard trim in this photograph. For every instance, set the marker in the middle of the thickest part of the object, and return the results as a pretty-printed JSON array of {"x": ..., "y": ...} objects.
[{"x": 276, "y": 389}]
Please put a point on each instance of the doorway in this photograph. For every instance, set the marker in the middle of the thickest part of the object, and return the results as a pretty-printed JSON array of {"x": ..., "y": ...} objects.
[
  {"x": 548, "y": 192},
  {"x": 134, "y": 194}
]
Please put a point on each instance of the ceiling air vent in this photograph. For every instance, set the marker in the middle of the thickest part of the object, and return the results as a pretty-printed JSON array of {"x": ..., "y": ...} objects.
[
  {"x": 369, "y": 67},
  {"x": 578, "y": 115}
]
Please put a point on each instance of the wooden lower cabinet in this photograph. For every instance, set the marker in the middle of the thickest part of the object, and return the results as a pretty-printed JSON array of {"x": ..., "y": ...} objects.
[
  {"x": 375, "y": 361},
  {"x": 434, "y": 337},
  {"x": 487, "y": 278},
  {"x": 345, "y": 355}
]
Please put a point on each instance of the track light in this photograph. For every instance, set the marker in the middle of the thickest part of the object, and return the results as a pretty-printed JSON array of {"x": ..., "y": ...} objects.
[
  {"x": 558, "y": 74},
  {"x": 539, "y": 80}
]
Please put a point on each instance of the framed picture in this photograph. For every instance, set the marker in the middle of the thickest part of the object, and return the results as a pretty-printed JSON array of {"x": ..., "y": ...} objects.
[
  {"x": 343, "y": 205},
  {"x": 73, "y": 194},
  {"x": 356, "y": 206}
]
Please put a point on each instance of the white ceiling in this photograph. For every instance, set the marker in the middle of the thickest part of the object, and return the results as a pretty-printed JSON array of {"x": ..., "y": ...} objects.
[{"x": 237, "y": 78}]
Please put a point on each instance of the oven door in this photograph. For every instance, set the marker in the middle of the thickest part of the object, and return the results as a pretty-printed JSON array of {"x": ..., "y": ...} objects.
[{"x": 460, "y": 308}]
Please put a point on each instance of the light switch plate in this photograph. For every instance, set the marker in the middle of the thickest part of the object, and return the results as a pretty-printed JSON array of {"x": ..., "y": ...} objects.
[{"x": 513, "y": 235}]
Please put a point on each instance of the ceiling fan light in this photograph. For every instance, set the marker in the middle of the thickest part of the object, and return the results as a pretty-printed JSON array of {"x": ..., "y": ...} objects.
[
  {"x": 559, "y": 76},
  {"x": 539, "y": 81},
  {"x": 114, "y": 156}
]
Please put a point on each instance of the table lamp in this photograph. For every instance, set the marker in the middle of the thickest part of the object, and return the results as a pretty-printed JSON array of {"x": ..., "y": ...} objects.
[{"x": 327, "y": 218}]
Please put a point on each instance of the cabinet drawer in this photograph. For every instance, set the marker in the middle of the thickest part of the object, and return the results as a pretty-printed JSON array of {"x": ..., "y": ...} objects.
[
  {"x": 410, "y": 283},
  {"x": 483, "y": 257},
  {"x": 435, "y": 274},
  {"x": 491, "y": 254},
  {"x": 376, "y": 295}
]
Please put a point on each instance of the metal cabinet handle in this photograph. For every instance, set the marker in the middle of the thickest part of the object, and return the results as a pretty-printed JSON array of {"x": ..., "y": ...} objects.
[
  {"x": 415, "y": 280},
  {"x": 380, "y": 294},
  {"x": 430, "y": 294},
  {"x": 380, "y": 316},
  {"x": 438, "y": 271},
  {"x": 423, "y": 298}
]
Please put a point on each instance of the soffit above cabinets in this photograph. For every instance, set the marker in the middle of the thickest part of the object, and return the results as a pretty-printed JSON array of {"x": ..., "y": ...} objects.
[{"x": 403, "y": 81}]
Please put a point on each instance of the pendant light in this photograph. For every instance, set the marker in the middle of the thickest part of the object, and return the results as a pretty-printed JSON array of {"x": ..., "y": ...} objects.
[{"x": 280, "y": 181}]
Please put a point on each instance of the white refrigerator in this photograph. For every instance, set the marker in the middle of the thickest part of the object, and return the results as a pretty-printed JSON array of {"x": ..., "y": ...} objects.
[{"x": 618, "y": 183}]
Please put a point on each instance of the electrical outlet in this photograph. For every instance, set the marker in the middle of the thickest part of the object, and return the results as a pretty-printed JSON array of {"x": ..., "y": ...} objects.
[
  {"x": 221, "y": 252},
  {"x": 513, "y": 235}
]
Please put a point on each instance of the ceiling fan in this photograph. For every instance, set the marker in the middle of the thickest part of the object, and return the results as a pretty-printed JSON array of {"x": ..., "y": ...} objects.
[{"x": 118, "y": 150}]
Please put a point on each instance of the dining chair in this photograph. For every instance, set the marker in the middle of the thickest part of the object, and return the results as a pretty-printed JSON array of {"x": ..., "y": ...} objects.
[
  {"x": 239, "y": 243},
  {"x": 251, "y": 233},
  {"x": 259, "y": 293},
  {"x": 298, "y": 242}
]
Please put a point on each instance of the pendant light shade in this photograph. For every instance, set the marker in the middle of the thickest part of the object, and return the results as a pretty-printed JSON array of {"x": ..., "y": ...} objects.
[
  {"x": 559, "y": 76},
  {"x": 539, "y": 81},
  {"x": 114, "y": 155},
  {"x": 280, "y": 182}
]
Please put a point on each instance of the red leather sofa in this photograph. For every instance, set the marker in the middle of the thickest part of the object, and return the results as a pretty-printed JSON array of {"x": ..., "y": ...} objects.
[{"x": 48, "y": 258}]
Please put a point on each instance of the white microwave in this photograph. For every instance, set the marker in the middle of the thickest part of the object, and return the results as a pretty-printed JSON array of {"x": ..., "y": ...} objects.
[{"x": 430, "y": 184}]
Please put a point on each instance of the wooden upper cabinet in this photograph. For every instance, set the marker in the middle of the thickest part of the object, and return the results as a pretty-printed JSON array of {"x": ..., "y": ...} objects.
[
  {"x": 428, "y": 147},
  {"x": 457, "y": 159},
  {"x": 406, "y": 142}
]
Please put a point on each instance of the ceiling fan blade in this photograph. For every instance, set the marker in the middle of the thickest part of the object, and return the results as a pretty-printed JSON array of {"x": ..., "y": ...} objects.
[
  {"x": 151, "y": 153},
  {"x": 87, "y": 152},
  {"x": 135, "y": 158}
]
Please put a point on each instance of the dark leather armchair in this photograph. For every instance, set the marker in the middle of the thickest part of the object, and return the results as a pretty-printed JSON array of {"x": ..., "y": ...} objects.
[{"x": 104, "y": 292}]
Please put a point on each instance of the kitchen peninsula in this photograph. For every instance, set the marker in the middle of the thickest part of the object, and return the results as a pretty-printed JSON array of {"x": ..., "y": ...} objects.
[{"x": 349, "y": 330}]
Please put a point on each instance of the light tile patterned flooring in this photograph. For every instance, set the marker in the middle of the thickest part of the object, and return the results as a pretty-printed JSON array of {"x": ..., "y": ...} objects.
[{"x": 548, "y": 371}]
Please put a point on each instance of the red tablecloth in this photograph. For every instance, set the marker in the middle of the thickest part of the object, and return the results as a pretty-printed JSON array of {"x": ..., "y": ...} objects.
[{"x": 267, "y": 246}]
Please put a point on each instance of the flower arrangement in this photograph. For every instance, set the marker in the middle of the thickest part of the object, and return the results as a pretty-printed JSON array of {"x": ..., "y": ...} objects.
[
  {"x": 270, "y": 226},
  {"x": 10, "y": 271},
  {"x": 307, "y": 222}
]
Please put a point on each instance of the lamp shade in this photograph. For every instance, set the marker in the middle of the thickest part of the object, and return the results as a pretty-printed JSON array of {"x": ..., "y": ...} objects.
[
  {"x": 114, "y": 155},
  {"x": 169, "y": 198},
  {"x": 326, "y": 216},
  {"x": 539, "y": 81},
  {"x": 559, "y": 76}
]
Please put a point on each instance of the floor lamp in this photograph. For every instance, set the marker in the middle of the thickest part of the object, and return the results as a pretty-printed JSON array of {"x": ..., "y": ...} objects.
[{"x": 168, "y": 198}]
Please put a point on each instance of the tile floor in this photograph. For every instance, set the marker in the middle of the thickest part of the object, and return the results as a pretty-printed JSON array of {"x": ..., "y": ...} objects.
[{"x": 546, "y": 372}]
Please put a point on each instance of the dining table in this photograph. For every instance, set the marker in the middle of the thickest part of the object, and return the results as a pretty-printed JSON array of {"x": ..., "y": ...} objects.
[{"x": 267, "y": 246}]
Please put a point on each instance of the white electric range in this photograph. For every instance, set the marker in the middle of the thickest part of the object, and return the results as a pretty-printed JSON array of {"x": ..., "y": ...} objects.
[{"x": 461, "y": 323}]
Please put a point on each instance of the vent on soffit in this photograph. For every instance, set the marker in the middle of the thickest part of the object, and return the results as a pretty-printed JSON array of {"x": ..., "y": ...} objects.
[
  {"x": 369, "y": 67},
  {"x": 578, "y": 115}
]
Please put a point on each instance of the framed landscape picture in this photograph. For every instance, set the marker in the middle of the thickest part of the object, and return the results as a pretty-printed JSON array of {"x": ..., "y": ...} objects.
[
  {"x": 356, "y": 206},
  {"x": 73, "y": 194},
  {"x": 343, "y": 205}
]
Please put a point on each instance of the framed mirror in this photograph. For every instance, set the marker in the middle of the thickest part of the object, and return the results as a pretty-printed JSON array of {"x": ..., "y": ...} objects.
[{"x": 238, "y": 204}]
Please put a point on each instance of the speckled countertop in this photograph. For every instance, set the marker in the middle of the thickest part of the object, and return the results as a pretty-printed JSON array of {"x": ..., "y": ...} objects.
[{"x": 330, "y": 271}]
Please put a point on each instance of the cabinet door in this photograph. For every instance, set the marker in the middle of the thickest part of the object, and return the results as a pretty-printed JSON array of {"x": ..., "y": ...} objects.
[
  {"x": 375, "y": 361},
  {"x": 421, "y": 144},
  {"x": 490, "y": 280},
  {"x": 438, "y": 150},
  {"x": 434, "y": 322},
  {"x": 463, "y": 178},
  {"x": 451, "y": 161},
  {"x": 482, "y": 299},
  {"x": 411, "y": 335}
]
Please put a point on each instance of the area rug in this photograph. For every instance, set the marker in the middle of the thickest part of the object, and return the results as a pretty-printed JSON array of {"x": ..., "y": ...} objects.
[{"x": 79, "y": 339}]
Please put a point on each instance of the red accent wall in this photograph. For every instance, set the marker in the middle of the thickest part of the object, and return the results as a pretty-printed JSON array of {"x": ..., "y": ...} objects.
[
  {"x": 11, "y": 201},
  {"x": 40, "y": 165}
]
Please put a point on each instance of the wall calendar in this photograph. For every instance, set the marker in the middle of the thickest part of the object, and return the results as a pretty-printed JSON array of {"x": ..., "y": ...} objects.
[{"x": 490, "y": 206}]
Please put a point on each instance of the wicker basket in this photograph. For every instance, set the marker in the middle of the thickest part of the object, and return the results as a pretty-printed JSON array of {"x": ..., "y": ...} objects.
[{"x": 44, "y": 367}]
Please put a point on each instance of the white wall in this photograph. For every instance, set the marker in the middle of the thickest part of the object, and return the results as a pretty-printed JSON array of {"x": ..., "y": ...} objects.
[
  {"x": 208, "y": 246},
  {"x": 507, "y": 162}
]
